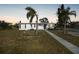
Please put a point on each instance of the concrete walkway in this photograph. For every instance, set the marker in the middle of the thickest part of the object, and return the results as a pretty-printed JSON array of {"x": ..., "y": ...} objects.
[{"x": 68, "y": 45}]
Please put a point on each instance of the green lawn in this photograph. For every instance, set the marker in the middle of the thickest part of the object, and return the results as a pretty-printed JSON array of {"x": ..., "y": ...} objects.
[
  {"x": 15, "y": 41},
  {"x": 68, "y": 37}
]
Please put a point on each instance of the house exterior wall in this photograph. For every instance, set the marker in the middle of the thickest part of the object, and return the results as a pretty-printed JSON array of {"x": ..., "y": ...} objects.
[{"x": 27, "y": 26}]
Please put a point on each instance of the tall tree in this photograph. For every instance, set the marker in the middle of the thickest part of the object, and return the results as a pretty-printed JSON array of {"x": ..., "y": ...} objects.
[
  {"x": 45, "y": 21},
  {"x": 64, "y": 16},
  {"x": 31, "y": 14}
]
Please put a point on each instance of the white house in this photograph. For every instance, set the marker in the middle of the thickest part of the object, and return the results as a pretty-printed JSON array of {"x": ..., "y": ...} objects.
[{"x": 27, "y": 26}]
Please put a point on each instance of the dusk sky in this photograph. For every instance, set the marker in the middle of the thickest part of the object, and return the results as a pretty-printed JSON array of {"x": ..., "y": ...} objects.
[{"x": 16, "y": 12}]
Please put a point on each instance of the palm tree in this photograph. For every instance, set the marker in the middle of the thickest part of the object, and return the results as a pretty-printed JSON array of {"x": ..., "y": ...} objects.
[
  {"x": 44, "y": 20},
  {"x": 60, "y": 17},
  {"x": 64, "y": 16},
  {"x": 30, "y": 15}
]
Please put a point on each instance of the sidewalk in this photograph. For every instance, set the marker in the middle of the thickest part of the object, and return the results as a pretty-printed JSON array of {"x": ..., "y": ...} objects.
[{"x": 68, "y": 45}]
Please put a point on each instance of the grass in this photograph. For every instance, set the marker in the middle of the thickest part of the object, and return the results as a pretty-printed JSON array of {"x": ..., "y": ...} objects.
[
  {"x": 68, "y": 37},
  {"x": 15, "y": 41}
]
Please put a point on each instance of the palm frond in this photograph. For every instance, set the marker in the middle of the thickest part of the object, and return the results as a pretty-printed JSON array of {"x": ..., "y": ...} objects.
[
  {"x": 68, "y": 19},
  {"x": 44, "y": 20},
  {"x": 28, "y": 15},
  {"x": 68, "y": 8},
  {"x": 73, "y": 13},
  {"x": 62, "y": 6},
  {"x": 31, "y": 13}
]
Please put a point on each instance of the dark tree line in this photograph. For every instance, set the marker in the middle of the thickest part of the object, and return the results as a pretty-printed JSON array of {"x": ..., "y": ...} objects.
[{"x": 6, "y": 25}]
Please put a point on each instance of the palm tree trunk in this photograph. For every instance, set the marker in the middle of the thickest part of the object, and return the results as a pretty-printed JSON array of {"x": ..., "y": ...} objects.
[
  {"x": 65, "y": 27},
  {"x": 36, "y": 24},
  {"x": 20, "y": 24}
]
